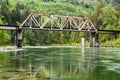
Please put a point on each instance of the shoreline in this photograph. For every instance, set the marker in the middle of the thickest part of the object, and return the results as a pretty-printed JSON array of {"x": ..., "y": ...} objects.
[
  {"x": 14, "y": 48},
  {"x": 48, "y": 46}
]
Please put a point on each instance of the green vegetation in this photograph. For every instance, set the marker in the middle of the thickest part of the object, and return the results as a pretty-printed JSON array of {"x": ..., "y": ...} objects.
[{"x": 105, "y": 15}]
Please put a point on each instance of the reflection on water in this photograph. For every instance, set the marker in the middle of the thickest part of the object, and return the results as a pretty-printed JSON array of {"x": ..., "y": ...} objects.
[{"x": 60, "y": 63}]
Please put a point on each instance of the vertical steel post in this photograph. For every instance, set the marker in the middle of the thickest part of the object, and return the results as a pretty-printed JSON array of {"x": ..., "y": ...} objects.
[{"x": 19, "y": 38}]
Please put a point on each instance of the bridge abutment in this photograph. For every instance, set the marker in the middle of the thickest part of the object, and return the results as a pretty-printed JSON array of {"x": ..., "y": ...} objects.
[
  {"x": 94, "y": 40},
  {"x": 19, "y": 38}
]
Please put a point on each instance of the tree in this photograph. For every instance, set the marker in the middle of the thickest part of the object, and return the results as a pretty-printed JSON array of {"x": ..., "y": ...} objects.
[
  {"x": 108, "y": 16},
  {"x": 96, "y": 14},
  {"x": 4, "y": 37},
  {"x": 29, "y": 37}
]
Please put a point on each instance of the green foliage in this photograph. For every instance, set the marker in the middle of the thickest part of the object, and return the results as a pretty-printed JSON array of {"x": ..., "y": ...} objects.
[
  {"x": 111, "y": 43},
  {"x": 4, "y": 37},
  {"x": 96, "y": 13},
  {"x": 29, "y": 37},
  {"x": 108, "y": 17},
  {"x": 2, "y": 19},
  {"x": 13, "y": 12}
]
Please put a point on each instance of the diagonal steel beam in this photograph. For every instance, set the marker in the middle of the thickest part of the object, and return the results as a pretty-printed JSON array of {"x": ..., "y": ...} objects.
[{"x": 55, "y": 21}]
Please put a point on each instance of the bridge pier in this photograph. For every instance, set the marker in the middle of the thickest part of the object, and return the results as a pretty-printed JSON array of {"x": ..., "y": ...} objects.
[
  {"x": 83, "y": 42},
  {"x": 97, "y": 40},
  {"x": 19, "y": 38},
  {"x": 94, "y": 40}
]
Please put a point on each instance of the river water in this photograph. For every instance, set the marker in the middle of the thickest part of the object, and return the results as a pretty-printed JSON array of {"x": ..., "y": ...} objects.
[{"x": 60, "y": 63}]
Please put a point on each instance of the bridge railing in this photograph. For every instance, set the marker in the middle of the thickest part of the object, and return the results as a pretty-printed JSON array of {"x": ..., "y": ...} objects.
[{"x": 42, "y": 21}]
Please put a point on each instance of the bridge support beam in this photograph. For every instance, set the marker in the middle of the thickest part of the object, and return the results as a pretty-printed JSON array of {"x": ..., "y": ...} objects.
[
  {"x": 94, "y": 40},
  {"x": 19, "y": 38}
]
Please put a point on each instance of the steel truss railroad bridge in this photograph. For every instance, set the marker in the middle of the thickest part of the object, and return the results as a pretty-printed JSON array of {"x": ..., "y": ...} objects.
[{"x": 58, "y": 23}]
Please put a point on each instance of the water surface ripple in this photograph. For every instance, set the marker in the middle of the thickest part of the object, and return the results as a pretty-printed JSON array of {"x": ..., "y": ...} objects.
[{"x": 60, "y": 63}]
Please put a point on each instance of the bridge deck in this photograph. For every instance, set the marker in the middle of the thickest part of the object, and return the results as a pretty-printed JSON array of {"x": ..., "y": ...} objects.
[
  {"x": 75, "y": 30},
  {"x": 8, "y": 27}
]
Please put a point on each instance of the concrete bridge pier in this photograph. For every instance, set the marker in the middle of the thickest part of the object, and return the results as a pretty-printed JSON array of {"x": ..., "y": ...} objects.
[
  {"x": 83, "y": 42},
  {"x": 19, "y": 38},
  {"x": 97, "y": 40},
  {"x": 94, "y": 39}
]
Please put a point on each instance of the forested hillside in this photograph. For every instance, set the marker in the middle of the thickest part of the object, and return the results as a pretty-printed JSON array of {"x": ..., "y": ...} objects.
[{"x": 105, "y": 14}]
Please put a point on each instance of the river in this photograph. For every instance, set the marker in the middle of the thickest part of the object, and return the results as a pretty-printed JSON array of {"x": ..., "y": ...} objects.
[{"x": 60, "y": 63}]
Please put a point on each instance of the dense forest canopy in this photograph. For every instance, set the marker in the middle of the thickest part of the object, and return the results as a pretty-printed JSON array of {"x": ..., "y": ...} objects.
[{"x": 105, "y": 14}]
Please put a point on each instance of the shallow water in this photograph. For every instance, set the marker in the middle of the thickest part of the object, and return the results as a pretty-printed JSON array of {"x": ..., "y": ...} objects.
[{"x": 60, "y": 63}]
